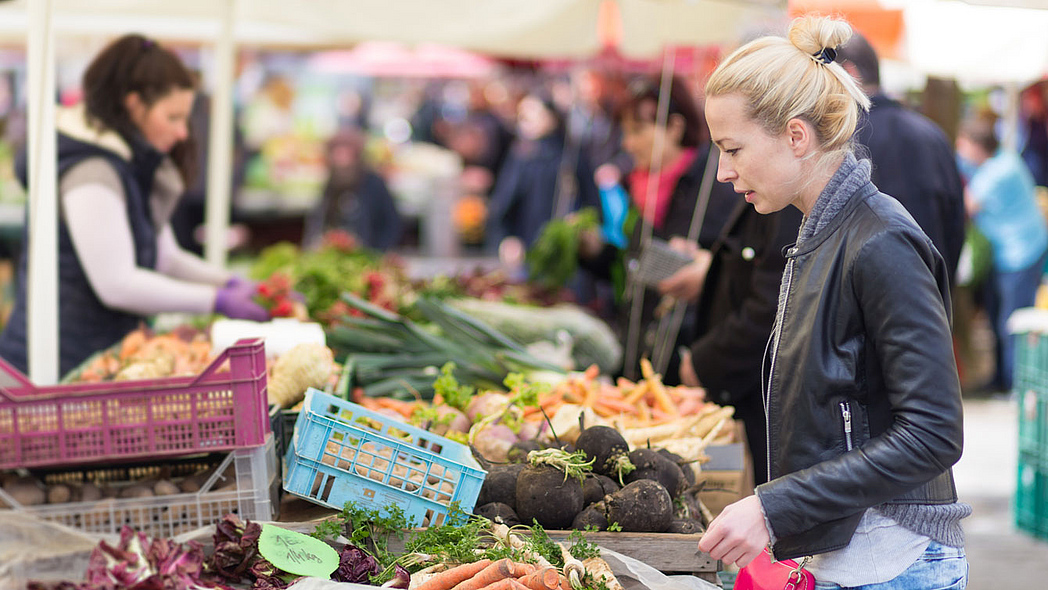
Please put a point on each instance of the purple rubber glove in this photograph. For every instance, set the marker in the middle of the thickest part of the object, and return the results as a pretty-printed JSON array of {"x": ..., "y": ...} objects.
[
  {"x": 237, "y": 302},
  {"x": 240, "y": 282}
]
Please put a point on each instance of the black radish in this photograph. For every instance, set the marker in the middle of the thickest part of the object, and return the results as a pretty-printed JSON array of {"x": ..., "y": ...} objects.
[
  {"x": 608, "y": 449},
  {"x": 593, "y": 516},
  {"x": 643, "y": 506},
  {"x": 596, "y": 487},
  {"x": 498, "y": 512},
  {"x": 546, "y": 494},
  {"x": 500, "y": 485},
  {"x": 651, "y": 465}
]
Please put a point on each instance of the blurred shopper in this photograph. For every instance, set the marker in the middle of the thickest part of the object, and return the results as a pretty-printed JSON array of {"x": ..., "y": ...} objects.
[
  {"x": 911, "y": 156},
  {"x": 1001, "y": 200},
  {"x": 355, "y": 199},
  {"x": 677, "y": 174},
  {"x": 125, "y": 156},
  {"x": 539, "y": 180}
]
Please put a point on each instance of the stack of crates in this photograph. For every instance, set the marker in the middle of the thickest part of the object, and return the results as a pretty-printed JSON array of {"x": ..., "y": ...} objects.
[
  {"x": 1031, "y": 388},
  {"x": 118, "y": 435}
]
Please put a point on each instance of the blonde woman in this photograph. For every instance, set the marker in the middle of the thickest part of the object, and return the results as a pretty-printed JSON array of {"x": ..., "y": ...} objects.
[{"x": 861, "y": 390}]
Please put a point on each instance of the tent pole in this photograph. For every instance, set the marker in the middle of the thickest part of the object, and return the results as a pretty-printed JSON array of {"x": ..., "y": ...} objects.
[
  {"x": 42, "y": 281},
  {"x": 1010, "y": 135},
  {"x": 220, "y": 142}
]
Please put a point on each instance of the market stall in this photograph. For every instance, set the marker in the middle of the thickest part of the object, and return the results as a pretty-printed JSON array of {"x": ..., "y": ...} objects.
[{"x": 397, "y": 359}]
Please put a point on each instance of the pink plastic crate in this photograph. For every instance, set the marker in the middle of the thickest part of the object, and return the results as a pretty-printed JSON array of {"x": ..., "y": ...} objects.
[{"x": 95, "y": 422}]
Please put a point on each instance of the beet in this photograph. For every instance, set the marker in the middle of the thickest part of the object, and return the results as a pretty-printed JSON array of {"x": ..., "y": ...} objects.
[
  {"x": 608, "y": 450},
  {"x": 594, "y": 515},
  {"x": 689, "y": 473},
  {"x": 498, "y": 510},
  {"x": 651, "y": 465},
  {"x": 518, "y": 452},
  {"x": 685, "y": 526},
  {"x": 500, "y": 485},
  {"x": 643, "y": 506},
  {"x": 596, "y": 487},
  {"x": 546, "y": 495}
]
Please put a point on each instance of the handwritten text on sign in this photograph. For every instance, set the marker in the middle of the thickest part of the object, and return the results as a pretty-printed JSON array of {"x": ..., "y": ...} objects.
[{"x": 296, "y": 553}]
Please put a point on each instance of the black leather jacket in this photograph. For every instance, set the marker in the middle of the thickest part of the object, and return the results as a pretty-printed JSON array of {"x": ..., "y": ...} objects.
[{"x": 862, "y": 386}]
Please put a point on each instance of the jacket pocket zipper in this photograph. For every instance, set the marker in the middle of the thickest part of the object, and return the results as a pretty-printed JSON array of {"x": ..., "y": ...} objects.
[{"x": 846, "y": 415}]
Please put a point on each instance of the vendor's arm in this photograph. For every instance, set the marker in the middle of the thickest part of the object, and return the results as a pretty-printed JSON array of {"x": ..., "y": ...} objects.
[
  {"x": 177, "y": 263},
  {"x": 97, "y": 220},
  {"x": 908, "y": 328}
]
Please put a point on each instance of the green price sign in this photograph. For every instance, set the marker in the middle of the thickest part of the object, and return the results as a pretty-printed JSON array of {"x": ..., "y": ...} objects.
[{"x": 296, "y": 553}]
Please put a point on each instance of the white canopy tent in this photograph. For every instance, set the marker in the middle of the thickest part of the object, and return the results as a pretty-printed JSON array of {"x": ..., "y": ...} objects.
[{"x": 532, "y": 29}]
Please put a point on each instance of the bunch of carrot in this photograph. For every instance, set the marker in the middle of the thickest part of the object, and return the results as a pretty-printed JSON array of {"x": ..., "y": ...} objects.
[
  {"x": 647, "y": 402},
  {"x": 503, "y": 574}
]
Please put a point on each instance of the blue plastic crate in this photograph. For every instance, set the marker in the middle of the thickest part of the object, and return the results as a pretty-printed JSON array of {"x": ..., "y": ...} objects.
[{"x": 343, "y": 452}]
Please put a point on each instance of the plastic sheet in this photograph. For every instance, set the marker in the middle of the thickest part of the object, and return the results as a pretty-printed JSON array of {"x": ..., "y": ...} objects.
[{"x": 34, "y": 549}]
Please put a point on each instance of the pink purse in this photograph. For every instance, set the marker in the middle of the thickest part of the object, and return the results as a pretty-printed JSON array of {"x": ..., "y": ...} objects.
[{"x": 763, "y": 574}]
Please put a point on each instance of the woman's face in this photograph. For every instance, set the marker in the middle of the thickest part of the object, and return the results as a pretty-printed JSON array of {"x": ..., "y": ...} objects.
[
  {"x": 534, "y": 120},
  {"x": 763, "y": 167},
  {"x": 166, "y": 121},
  {"x": 638, "y": 137}
]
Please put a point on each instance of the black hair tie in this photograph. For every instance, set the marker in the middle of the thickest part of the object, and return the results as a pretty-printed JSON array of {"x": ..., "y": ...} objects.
[{"x": 826, "y": 55}]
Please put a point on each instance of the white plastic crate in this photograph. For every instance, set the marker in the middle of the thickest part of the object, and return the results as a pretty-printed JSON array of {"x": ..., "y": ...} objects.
[{"x": 254, "y": 498}]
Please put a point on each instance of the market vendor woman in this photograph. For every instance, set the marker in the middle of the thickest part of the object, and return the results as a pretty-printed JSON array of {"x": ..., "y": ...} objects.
[
  {"x": 124, "y": 158},
  {"x": 861, "y": 388}
]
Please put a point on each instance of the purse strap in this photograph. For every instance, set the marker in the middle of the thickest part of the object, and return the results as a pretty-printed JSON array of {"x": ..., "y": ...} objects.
[{"x": 797, "y": 580}]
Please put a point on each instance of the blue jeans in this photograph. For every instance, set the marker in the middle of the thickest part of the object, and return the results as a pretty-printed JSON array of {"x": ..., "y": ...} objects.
[
  {"x": 1012, "y": 291},
  {"x": 940, "y": 568}
]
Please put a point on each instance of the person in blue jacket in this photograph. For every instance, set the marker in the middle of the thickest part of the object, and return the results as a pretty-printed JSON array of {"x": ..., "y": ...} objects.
[
  {"x": 1001, "y": 200},
  {"x": 125, "y": 156}
]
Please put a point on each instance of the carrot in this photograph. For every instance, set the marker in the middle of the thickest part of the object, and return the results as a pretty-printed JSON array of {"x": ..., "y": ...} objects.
[
  {"x": 506, "y": 584},
  {"x": 456, "y": 575},
  {"x": 591, "y": 372},
  {"x": 637, "y": 394},
  {"x": 623, "y": 384},
  {"x": 620, "y": 406},
  {"x": 503, "y": 568},
  {"x": 662, "y": 398},
  {"x": 543, "y": 579},
  {"x": 592, "y": 395},
  {"x": 565, "y": 584}
]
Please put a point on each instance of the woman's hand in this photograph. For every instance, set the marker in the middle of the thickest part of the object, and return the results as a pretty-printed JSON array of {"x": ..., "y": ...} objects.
[
  {"x": 739, "y": 534},
  {"x": 686, "y": 370},
  {"x": 686, "y": 283}
]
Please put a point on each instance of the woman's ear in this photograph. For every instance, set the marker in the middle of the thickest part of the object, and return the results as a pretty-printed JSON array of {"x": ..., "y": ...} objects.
[
  {"x": 675, "y": 128},
  {"x": 800, "y": 136},
  {"x": 134, "y": 105}
]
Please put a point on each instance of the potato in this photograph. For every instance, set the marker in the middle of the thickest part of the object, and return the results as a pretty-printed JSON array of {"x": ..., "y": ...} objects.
[
  {"x": 27, "y": 491},
  {"x": 59, "y": 494}
]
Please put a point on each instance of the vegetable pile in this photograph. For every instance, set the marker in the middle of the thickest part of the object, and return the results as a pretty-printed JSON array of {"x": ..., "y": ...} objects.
[
  {"x": 600, "y": 486},
  {"x": 469, "y": 553},
  {"x": 143, "y": 354},
  {"x": 391, "y": 355}
]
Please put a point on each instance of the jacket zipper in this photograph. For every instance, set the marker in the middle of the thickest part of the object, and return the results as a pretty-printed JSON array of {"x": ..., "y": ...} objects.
[
  {"x": 846, "y": 415},
  {"x": 774, "y": 341}
]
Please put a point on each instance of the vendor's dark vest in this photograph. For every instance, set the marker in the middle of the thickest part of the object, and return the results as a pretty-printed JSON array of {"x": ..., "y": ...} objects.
[{"x": 85, "y": 324}]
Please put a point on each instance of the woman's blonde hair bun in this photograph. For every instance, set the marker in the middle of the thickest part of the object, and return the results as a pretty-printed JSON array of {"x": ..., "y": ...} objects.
[
  {"x": 783, "y": 79},
  {"x": 812, "y": 34}
]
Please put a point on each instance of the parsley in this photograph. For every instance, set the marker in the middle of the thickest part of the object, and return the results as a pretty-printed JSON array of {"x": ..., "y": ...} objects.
[
  {"x": 367, "y": 529},
  {"x": 582, "y": 548},
  {"x": 448, "y": 388},
  {"x": 544, "y": 546},
  {"x": 614, "y": 527}
]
